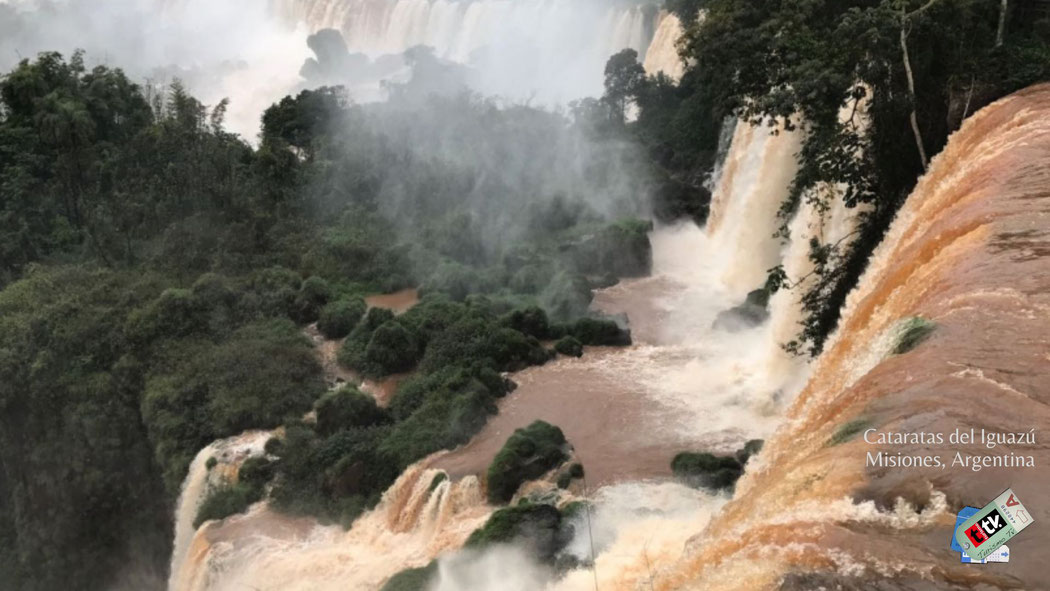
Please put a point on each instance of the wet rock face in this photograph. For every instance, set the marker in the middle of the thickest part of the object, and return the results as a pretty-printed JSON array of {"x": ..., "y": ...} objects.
[{"x": 751, "y": 313}]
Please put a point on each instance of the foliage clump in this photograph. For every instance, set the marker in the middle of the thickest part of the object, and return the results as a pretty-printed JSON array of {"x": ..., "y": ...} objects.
[
  {"x": 706, "y": 470},
  {"x": 600, "y": 331},
  {"x": 157, "y": 271},
  {"x": 412, "y": 579},
  {"x": 911, "y": 332},
  {"x": 539, "y": 528},
  {"x": 569, "y": 346},
  {"x": 529, "y": 453},
  {"x": 339, "y": 317},
  {"x": 346, "y": 408},
  {"x": 226, "y": 500}
]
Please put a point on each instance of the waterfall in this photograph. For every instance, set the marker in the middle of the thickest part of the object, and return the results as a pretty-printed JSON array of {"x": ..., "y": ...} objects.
[
  {"x": 228, "y": 455},
  {"x": 963, "y": 252},
  {"x": 662, "y": 54},
  {"x": 753, "y": 183},
  {"x": 415, "y": 521},
  {"x": 550, "y": 51}
]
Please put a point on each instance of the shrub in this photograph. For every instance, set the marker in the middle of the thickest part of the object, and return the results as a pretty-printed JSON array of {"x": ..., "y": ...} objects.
[
  {"x": 566, "y": 296},
  {"x": 316, "y": 290},
  {"x": 600, "y": 331},
  {"x": 415, "y": 390},
  {"x": 531, "y": 278},
  {"x": 528, "y": 453},
  {"x": 621, "y": 249},
  {"x": 531, "y": 321},
  {"x": 391, "y": 349},
  {"x": 569, "y": 346},
  {"x": 480, "y": 340},
  {"x": 352, "y": 353},
  {"x": 333, "y": 478},
  {"x": 412, "y": 579},
  {"x": 265, "y": 373},
  {"x": 707, "y": 470},
  {"x": 447, "y": 417},
  {"x": 345, "y": 408},
  {"x": 225, "y": 501},
  {"x": 433, "y": 314},
  {"x": 273, "y": 293},
  {"x": 175, "y": 313},
  {"x": 750, "y": 448},
  {"x": 256, "y": 471},
  {"x": 566, "y": 477},
  {"x": 273, "y": 446},
  {"x": 537, "y": 527},
  {"x": 338, "y": 318}
]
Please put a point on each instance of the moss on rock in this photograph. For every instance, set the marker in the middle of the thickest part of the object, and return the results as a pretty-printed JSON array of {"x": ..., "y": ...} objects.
[{"x": 528, "y": 453}]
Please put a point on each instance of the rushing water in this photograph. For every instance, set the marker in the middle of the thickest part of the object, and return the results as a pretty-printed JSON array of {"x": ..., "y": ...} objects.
[
  {"x": 969, "y": 252},
  {"x": 682, "y": 385},
  {"x": 546, "y": 51}
]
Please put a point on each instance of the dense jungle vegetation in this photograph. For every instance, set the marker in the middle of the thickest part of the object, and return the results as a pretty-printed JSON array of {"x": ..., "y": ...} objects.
[
  {"x": 158, "y": 271},
  {"x": 875, "y": 85}
]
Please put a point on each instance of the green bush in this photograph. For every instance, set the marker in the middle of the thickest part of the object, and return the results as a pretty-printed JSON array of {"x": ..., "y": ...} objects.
[
  {"x": 392, "y": 349},
  {"x": 621, "y": 249},
  {"x": 265, "y": 373},
  {"x": 412, "y": 579},
  {"x": 414, "y": 391},
  {"x": 600, "y": 331},
  {"x": 751, "y": 448},
  {"x": 569, "y": 346},
  {"x": 345, "y": 408},
  {"x": 448, "y": 416},
  {"x": 225, "y": 501},
  {"x": 476, "y": 339},
  {"x": 256, "y": 471},
  {"x": 352, "y": 353},
  {"x": 566, "y": 296},
  {"x": 539, "y": 528},
  {"x": 529, "y": 453},
  {"x": 707, "y": 470},
  {"x": 531, "y": 321},
  {"x": 334, "y": 478},
  {"x": 312, "y": 297},
  {"x": 175, "y": 313},
  {"x": 273, "y": 292},
  {"x": 338, "y": 318}
]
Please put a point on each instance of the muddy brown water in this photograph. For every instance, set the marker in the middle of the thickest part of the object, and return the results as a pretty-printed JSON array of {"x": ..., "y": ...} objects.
[{"x": 617, "y": 429}]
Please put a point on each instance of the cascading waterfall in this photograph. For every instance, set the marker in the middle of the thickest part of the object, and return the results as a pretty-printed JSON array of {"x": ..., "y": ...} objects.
[
  {"x": 415, "y": 521},
  {"x": 966, "y": 253},
  {"x": 228, "y": 455},
  {"x": 753, "y": 183},
  {"x": 551, "y": 51},
  {"x": 714, "y": 382},
  {"x": 662, "y": 55},
  {"x": 724, "y": 388}
]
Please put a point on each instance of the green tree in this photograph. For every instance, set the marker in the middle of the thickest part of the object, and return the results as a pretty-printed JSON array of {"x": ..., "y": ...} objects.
[{"x": 624, "y": 81}]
